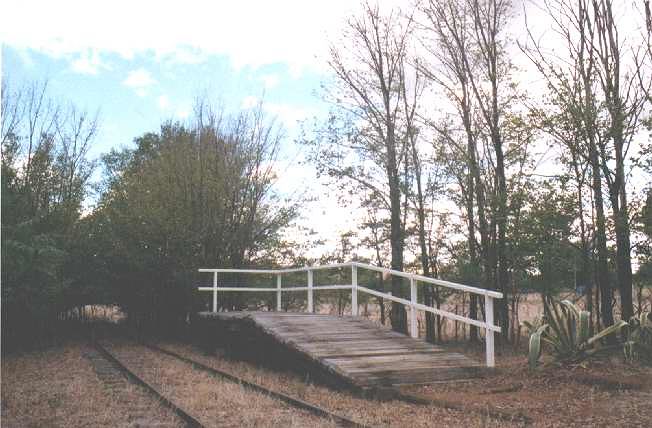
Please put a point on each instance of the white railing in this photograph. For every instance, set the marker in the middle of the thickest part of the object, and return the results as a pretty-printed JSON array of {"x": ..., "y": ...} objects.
[{"x": 489, "y": 295}]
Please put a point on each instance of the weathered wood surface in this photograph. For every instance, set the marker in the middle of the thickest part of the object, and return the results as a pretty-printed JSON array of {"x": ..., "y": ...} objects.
[{"x": 358, "y": 351}]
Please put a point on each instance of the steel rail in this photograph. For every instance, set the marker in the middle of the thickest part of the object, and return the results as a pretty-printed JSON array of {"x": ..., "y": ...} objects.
[
  {"x": 296, "y": 402},
  {"x": 189, "y": 420}
]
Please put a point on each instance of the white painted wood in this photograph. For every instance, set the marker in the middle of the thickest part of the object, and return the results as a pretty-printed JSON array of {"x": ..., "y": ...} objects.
[
  {"x": 489, "y": 334},
  {"x": 354, "y": 290},
  {"x": 422, "y": 307},
  {"x": 421, "y": 278},
  {"x": 261, "y": 271},
  {"x": 239, "y": 288},
  {"x": 414, "y": 330},
  {"x": 214, "y": 291},
  {"x": 489, "y": 295},
  {"x": 311, "y": 308},
  {"x": 278, "y": 293},
  {"x": 318, "y": 287},
  {"x": 316, "y": 267}
]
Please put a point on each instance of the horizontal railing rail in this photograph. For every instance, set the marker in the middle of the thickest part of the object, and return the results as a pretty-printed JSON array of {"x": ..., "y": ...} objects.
[{"x": 412, "y": 303}]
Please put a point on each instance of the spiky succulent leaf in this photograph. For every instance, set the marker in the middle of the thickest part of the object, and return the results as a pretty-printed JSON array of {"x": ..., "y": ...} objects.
[
  {"x": 570, "y": 305},
  {"x": 583, "y": 326},
  {"x": 535, "y": 346},
  {"x": 531, "y": 328},
  {"x": 639, "y": 338},
  {"x": 606, "y": 332},
  {"x": 558, "y": 322}
]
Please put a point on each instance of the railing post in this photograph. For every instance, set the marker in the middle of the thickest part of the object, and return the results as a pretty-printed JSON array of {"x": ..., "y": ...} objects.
[
  {"x": 414, "y": 332},
  {"x": 214, "y": 291},
  {"x": 310, "y": 304},
  {"x": 354, "y": 290},
  {"x": 278, "y": 292},
  {"x": 489, "y": 334}
]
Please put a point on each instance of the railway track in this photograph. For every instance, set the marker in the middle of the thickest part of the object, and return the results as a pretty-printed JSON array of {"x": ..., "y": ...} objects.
[
  {"x": 139, "y": 405},
  {"x": 184, "y": 417}
]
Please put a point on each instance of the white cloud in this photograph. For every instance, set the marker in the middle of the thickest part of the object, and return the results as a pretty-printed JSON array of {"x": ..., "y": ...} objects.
[
  {"x": 182, "y": 113},
  {"x": 270, "y": 81},
  {"x": 25, "y": 57},
  {"x": 250, "y": 33},
  {"x": 163, "y": 102},
  {"x": 288, "y": 114},
  {"x": 140, "y": 78},
  {"x": 250, "y": 102},
  {"x": 88, "y": 62}
]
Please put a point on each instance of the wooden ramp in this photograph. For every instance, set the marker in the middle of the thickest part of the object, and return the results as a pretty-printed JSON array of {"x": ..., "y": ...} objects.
[{"x": 356, "y": 350}]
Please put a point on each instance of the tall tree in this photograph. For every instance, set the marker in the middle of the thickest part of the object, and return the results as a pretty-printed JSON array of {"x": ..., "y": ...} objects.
[
  {"x": 368, "y": 73},
  {"x": 601, "y": 99},
  {"x": 446, "y": 36},
  {"x": 625, "y": 101},
  {"x": 473, "y": 68},
  {"x": 45, "y": 179}
]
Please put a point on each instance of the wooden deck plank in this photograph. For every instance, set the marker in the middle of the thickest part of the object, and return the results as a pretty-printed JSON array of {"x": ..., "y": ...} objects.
[{"x": 363, "y": 353}]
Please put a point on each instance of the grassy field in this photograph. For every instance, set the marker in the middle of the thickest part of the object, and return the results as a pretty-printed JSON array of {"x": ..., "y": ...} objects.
[
  {"x": 530, "y": 307},
  {"x": 57, "y": 387}
]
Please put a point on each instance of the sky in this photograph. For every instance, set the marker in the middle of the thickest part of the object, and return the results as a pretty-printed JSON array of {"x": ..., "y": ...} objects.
[{"x": 139, "y": 63}]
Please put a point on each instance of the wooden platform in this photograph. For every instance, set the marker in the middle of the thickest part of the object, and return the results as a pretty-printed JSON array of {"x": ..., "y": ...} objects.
[{"x": 356, "y": 350}]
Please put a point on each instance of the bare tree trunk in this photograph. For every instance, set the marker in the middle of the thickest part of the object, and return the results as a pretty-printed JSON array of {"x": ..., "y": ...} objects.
[
  {"x": 624, "y": 106},
  {"x": 370, "y": 85},
  {"x": 602, "y": 270}
]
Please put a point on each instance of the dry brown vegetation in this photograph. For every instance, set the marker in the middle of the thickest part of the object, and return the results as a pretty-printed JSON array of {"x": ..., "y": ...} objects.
[
  {"x": 215, "y": 402},
  {"x": 600, "y": 393},
  {"x": 59, "y": 388},
  {"x": 605, "y": 393},
  {"x": 371, "y": 412}
]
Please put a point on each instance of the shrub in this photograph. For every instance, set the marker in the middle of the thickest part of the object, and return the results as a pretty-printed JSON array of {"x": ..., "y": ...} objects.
[
  {"x": 639, "y": 338},
  {"x": 566, "y": 329}
]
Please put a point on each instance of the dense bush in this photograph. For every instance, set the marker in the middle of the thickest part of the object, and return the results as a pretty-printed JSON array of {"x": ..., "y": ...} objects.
[
  {"x": 638, "y": 346},
  {"x": 186, "y": 198},
  {"x": 45, "y": 176},
  {"x": 183, "y": 198}
]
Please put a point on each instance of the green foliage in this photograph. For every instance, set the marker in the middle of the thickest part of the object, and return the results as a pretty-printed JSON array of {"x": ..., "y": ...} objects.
[
  {"x": 44, "y": 182},
  {"x": 535, "y": 346},
  {"x": 187, "y": 198},
  {"x": 183, "y": 198},
  {"x": 566, "y": 331},
  {"x": 639, "y": 338},
  {"x": 543, "y": 252},
  {"x": 643, "y": 225}
]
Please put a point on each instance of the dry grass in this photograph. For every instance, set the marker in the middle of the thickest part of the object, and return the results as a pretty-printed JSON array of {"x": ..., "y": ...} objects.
[
  {"x": 59, "y": 388},
  {"x": 553, "y": 397},
  {"x": 371, "y": 412},
  {"x": 215, "y": 402},
  {"x": 530, "y": 307},
  {"x": 602, "y": 393}
]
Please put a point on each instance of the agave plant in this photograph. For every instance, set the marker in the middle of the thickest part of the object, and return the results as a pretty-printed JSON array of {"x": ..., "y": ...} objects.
[
  {"x": 566, "y": 329},
  {"x": 639, "y": 338}
]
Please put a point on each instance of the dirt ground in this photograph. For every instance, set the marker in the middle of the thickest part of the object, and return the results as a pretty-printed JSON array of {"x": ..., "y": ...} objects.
[
  {"x": 57, "y": 387},
  {"x": 214, "y": 402},
  {"x": 600, "y": 393},
  {"x": 604, "y": 393}
]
